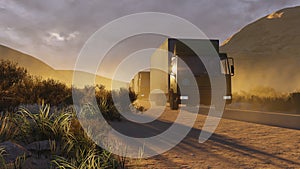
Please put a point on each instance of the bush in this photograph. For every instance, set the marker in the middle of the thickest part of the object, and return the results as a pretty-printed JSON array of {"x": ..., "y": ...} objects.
[
  {"x": 70, "y": 146},
  {"x": 18, "y": 87},
  {"x": 10, "y": 76},
  {"x": 111, "y": 102}
]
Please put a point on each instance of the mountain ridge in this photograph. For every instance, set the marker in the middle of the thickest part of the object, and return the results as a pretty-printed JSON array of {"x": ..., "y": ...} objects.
[{"x": 267, "y": 52}]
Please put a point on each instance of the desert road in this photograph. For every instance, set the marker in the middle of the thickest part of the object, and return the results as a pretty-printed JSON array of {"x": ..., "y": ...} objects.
[{"x": 234, "y": 144}]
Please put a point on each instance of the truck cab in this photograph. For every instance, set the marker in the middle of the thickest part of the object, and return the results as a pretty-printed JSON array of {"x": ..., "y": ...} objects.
[{"x": 180, "y": 59}]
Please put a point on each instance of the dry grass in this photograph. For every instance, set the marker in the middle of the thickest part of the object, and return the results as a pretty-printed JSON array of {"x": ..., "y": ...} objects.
[
  {"x": 71, "y": 146},
  {"x": 267, "y": 99}
]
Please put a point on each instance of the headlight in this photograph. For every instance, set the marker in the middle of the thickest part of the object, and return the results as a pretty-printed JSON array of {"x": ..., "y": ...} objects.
[{"x": 227, "y": 97}]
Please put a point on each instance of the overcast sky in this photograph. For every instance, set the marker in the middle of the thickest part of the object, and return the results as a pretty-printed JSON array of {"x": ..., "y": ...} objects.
[{"x": 55, "y": 30}]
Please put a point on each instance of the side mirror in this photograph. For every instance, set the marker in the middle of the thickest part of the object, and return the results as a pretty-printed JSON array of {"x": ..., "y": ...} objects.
[
  {"x": 231, "y": 63},
  {"x": 232, "y": 70}
]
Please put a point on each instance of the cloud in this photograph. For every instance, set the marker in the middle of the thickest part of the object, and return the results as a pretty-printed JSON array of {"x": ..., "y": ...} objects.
[
  {"x": 57, "y": 37},
  {"x": 62, "y": 26},
  {"x": 72, "y": 35}
]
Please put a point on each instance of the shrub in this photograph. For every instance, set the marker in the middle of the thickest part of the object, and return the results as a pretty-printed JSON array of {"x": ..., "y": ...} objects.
[
  {"x": 71, "y": 146},
  {"x": 10, "y": 74},
  {"x": 18, "y": 87}
]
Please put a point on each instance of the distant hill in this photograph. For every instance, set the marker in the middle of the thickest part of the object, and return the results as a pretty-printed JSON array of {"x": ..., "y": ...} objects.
[
  {"x": 38, "y": 68},
  {"x": 267, "y": 52}
]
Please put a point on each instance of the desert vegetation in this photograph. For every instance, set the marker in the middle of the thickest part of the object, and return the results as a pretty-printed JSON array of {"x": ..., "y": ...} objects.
[
  {"x": 55, "y": 140},
  {"x": 268, "y": 99},
  {"x": 18, "y": 87},
  {"x": 39, "y": 136}
]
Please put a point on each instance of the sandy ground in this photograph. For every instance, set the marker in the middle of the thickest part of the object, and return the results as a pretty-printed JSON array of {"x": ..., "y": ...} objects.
[{"x": 234, "y": 144}]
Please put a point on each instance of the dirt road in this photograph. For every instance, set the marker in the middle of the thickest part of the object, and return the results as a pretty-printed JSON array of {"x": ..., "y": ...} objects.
[{"x": 234, "y": 144}]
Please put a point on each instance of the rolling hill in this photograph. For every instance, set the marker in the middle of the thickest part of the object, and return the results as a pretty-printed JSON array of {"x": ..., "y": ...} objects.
[
  {"x": 267, "y": 52},
  {"x": 36, "y": 67}
]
